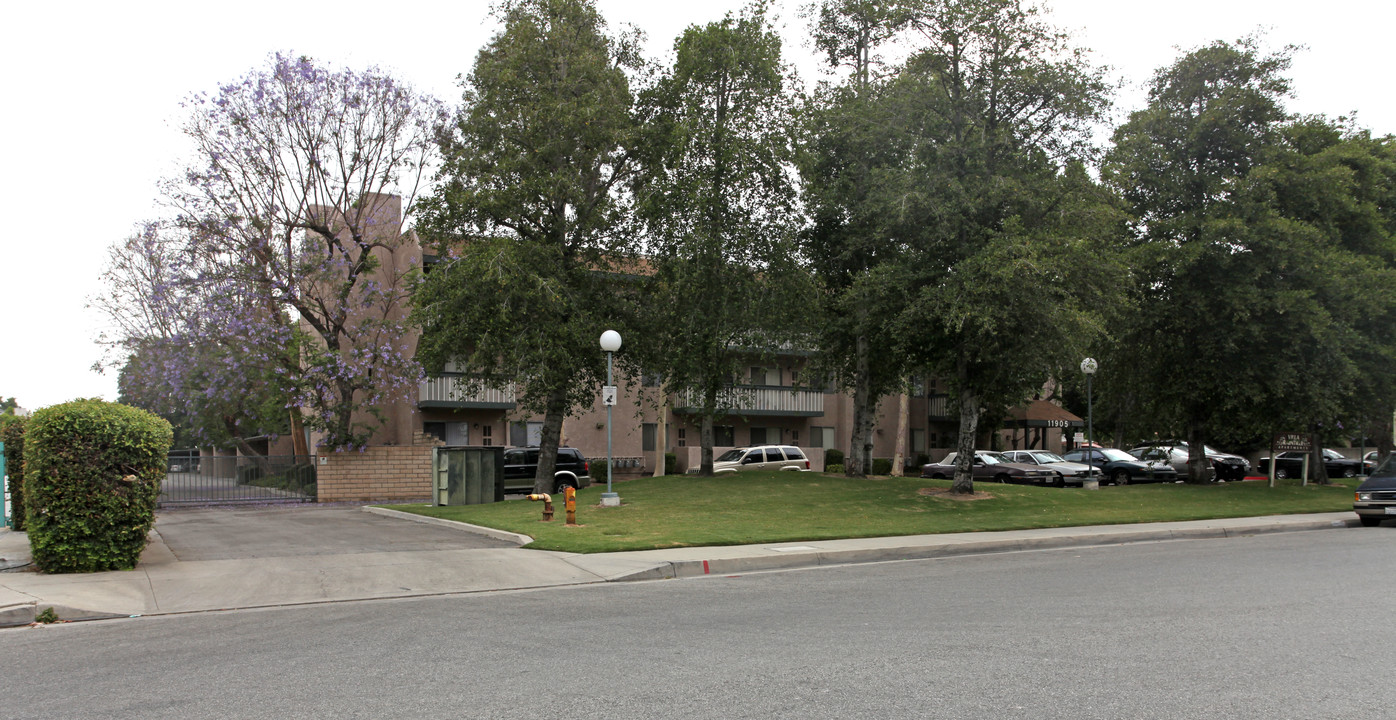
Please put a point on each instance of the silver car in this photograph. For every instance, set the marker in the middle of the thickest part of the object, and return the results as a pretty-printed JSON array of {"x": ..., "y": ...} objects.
[{"x": 1072, "y": 473}]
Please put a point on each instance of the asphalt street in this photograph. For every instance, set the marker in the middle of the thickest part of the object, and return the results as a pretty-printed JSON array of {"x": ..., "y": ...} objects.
[{"x": 1294, "y": 625}]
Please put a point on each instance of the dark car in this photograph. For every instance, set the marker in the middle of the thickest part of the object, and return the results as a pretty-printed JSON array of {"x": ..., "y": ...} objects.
[
  {"x": 1121, "y": 468},
  {"x": 1225, "y": 465},
  {"x": 992, "y": 466},
  {"x": 1291, "y": 464},
  {"x": 1376, "y": 496},
  {"x": 521, "y": 467}
]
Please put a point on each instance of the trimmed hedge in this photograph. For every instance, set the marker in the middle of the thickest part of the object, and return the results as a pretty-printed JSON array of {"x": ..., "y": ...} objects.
[
  {"x": 882, "y": 466},
  {"x": 833, "y": 457},
  {"x": 12, "y": 434},
  {"x": 92, "y": 477}
]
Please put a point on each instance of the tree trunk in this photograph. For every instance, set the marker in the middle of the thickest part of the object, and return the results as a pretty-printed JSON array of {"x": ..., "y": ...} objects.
[
  {"x": 705, "y": 452},
  {"x": 1318, "y": 470},
  {"x": 1199, "y": 467},
  {"x": 964, "y": 444},
  {"x": 903, "y": 415},
  {"x": 705, "y": 432},
  {"x": 661, "y": 438},
  {"x": 548, "y": 443},
  {"x": 859, "y": 461},
  {"x": 1387, "y": 427},
  {"x": 298, "y": 443}
]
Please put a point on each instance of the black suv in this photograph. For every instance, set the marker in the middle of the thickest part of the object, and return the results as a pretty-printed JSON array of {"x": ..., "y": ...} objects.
[{"x": 521, "y": 467}]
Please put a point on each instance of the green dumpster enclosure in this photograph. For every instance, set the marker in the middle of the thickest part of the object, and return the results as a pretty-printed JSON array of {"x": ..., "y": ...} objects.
[{"x": 467, "y": 475}]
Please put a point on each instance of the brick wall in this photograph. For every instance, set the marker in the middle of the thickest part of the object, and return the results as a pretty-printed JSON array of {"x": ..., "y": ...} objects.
[{"x": 381, "y": 472}]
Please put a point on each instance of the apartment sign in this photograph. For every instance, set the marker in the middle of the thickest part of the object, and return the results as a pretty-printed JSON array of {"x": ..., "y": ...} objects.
[{"x": 1287, "y": 442}]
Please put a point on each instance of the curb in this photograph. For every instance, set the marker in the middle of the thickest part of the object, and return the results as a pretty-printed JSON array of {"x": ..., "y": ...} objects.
[
  {"x": 504, "y": 535},
  {"x": 673, "y": 569}
]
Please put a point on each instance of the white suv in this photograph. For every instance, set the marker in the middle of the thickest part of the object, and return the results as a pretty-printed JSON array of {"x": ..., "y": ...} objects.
[{"x": 761, "y": 457}]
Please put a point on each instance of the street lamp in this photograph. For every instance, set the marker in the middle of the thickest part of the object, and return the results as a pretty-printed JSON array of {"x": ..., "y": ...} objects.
[
  {"x": 610, "y": 342},
  {"x": 1089, "y": 366}
]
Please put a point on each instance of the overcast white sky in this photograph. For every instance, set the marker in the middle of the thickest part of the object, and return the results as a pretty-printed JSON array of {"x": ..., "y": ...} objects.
[{"x": 92, "y": 95}]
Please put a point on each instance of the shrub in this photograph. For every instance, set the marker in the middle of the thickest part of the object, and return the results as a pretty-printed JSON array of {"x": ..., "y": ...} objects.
[
  {"x": 671, "y": 463},
  {"x": 833, "y": 457},
  {"x": 92, "y": 477},
  {"x": 835, "y": 469},
  {"x": 882, "y": 466},
  {"x": 597, "y": 470},
  {"x": 12, "y": 434}
]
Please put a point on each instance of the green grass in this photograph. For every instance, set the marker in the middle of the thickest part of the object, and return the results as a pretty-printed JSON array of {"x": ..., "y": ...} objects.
[{"x": 684, "y": 510}]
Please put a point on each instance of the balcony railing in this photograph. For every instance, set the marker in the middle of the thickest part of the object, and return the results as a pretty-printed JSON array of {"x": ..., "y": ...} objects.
[
  {"x": 463, "y": 391},
  {"x": 758, "y": 400}
]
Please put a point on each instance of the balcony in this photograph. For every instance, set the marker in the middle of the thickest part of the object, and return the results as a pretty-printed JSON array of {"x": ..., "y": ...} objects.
[
  {"x": 767, "y": 400},
  {"x": 463, "y": 392}
]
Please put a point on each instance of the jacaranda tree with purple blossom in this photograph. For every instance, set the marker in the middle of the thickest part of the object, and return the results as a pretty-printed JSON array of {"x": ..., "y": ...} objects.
[
  {"x": 191, "y": 346},
  {"x": 291, "y": 211}
]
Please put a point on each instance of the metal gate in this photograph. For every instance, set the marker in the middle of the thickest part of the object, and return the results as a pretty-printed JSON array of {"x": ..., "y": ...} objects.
[{"x": 192, "y": 479}]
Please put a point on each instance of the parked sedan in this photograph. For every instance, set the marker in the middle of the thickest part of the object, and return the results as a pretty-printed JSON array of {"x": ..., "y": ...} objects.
[
  {"x": 1072, "y": 473},
  {"x": 1174, "y": 457},
  {"x": 1375, "y": 499},
  {"x": 996, "y": 467},
  {"x": 1225, "y": 465},
  {"x": 1291, "y": 464},
  {"x": 1121, "y": 468}
]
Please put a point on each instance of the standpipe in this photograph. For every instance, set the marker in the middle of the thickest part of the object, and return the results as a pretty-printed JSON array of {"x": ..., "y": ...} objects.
[
  {"x": 570, "y": 502},
  {"x": 547, "y": 505}
]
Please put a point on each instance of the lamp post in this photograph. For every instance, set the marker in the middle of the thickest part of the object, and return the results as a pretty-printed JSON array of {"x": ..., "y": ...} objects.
[
  {"x": 610, "y": 342},
  {"x": 1089, "y": 366}
]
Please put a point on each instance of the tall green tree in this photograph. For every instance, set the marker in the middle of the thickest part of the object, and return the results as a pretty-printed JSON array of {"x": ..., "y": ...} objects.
[
  {"x": 854, "y": 153},
  {"x": 1008, "y": 235},
  {"x": 718, "y": 211},
  {"x": 528, "y": 217},
  {"x": 1241, "y": 320},
  {"x": 1336, "y": 182}
]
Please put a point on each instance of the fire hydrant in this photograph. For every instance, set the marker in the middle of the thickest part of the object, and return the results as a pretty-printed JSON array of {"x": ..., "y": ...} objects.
[
  {"x": 571, "y": 504},
  {"x": 547, "y": 505}
]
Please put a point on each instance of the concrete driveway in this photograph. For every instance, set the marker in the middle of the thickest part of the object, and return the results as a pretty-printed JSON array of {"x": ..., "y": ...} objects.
[{"x": 241, "y": 533}]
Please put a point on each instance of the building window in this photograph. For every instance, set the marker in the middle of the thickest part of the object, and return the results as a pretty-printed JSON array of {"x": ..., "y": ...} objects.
[
  {"x": 918, "y": 440},
  {"x": 523, "y": 434},
  {"x": 682, "y": 441},
  {"x": 794, "y": 437},
  {"x": 822, "y": 437},
  {"x": 487, "y": 435},
  {"x": 652, "y": 379},
  {"x": 435, "y": 429},
  {"x": 724, "y": 436},
  {"x": 758, "y": 436},
  {"x": 648, "y": 433},
  {"x": 765, "y": 376}
]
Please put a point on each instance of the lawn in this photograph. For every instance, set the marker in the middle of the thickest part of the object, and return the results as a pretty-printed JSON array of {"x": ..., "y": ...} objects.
[{"x": 685, "y": 510}]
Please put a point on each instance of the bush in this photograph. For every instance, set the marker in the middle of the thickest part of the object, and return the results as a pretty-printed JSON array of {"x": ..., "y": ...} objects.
[
  {"x": 597, "y": 470},
  {"x": 882, "y": 466},
  {"x": 833, "y": 457},
  {"x": 671, "y": 463},
  {"x": 92, "y": 477},
  {"x": 12, "y": 434},
  {"x": 835, "y": 469}
]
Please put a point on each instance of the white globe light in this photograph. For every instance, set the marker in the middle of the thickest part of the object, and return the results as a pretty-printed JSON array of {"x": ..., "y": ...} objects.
[
  {"x": 610, "y": 341},
  {"x": 1089, "y": 366}
]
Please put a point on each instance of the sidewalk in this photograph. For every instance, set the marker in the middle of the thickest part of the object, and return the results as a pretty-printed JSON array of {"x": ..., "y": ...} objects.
[{"x": 162, "y": 584}]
